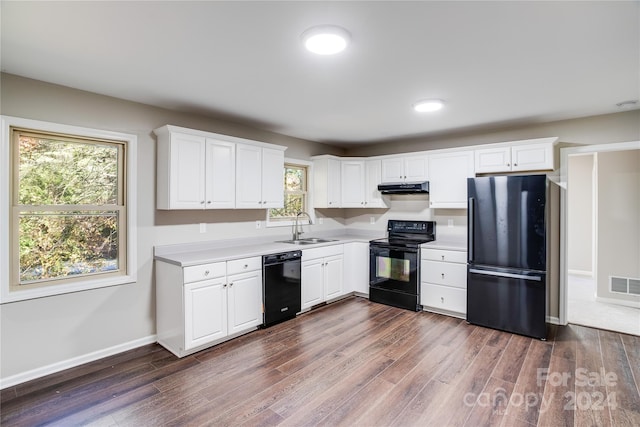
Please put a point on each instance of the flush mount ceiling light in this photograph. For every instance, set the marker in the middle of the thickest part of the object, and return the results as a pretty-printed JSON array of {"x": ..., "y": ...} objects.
[
  {"x": 428, "y": 105},
  {"x": 326, "y": 39}
]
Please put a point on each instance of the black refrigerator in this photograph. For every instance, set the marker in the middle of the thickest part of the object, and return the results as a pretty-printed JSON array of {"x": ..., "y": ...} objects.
[{"x": 507, "y": 244}]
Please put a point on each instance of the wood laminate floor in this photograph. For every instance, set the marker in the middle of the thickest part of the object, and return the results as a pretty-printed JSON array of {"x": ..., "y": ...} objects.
[{"x": 352, "y": 363}]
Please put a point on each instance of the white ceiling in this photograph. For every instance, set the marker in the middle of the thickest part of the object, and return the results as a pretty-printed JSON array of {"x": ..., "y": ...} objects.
[{"x": 494, "y": 63}]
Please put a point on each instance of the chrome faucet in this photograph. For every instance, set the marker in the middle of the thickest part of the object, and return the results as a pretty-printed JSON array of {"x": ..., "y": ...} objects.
[{"x": 296, "y": 230}]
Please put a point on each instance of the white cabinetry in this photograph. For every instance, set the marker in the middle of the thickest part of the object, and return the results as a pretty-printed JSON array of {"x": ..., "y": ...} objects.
[
  {"x": 322, "y": 275},
  {"x": 444, "y": 281},
  {"x": 327, "y": 190},
  {"x": 259, "y": 177},
  {"x": 353, "y": 183},
  {"x": 194, "y": 172},
  {"x": 527, "y": 155},
  {"x": 448, "y": 173},
  {"x": 360, "y": 181},
  {"x": 405, "y": 168},
  {"x": 202, "y": 305},
  {"x": 356, "y": 268}
]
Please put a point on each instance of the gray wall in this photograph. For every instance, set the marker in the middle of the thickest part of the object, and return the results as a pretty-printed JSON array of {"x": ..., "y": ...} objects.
[
  {"x": 580, "y": 221},
  {"x": 618, "y": 219},
  {"x": 45, "y": 331}
]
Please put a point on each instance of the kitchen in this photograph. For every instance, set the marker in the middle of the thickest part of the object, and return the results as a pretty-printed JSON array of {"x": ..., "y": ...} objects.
[{"x": 70, "y": 327}]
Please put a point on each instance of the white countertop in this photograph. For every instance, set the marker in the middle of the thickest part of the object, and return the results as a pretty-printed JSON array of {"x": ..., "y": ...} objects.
[
  {"x": 215, "y": 251},
  {"x": 449, "y": 243}
]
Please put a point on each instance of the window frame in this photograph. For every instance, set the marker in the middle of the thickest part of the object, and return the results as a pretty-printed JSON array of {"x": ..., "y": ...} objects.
[
  {"x": 9, "y": 249},
  {"x": 309, "y": 199}
]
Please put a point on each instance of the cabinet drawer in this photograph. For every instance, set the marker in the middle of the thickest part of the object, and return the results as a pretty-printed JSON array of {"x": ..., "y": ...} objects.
[
  {"x": 204, "y": 272},
  {"x": 243, "y": 265},
  {"x": 444, "y": 255},
  {"x": 443, "y": 298},
  {"x": 444, "y": 273},
  {"x": 322, "y": 252}
]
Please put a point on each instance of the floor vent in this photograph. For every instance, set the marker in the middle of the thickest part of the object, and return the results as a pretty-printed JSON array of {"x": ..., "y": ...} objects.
[{"x": 624, "y": 285}]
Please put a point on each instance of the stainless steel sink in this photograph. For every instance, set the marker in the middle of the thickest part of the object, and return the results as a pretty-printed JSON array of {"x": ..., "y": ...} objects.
[{"x": 308, "y": 241}]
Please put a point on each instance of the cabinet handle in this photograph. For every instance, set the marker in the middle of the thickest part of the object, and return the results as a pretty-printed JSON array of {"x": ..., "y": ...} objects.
[
  {"x": 330, "y": 202},
  {"x": 515, "y": 164},
  {"x": 208, "y": 202},
  {"x": 202, "y": 202},
  {"x": 362, "y": 203},
  {"x": 224, "y": 286},
  {"x": 443, "y": 257},
  {"x": 442, "y": 300},
  {"x": 443, "y": 275},
  {"x": 230, "y": 284},
  {"x": 206, "y": 273},
  {"x": 508, "y": 164},
  {"x": 405, "y": 177},
  {"x": 246, "y": 266}
]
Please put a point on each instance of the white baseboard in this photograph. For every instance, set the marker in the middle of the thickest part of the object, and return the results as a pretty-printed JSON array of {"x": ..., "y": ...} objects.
[
  {"x": 553, "y": 320},
  {"x": 584, "y": 273},
  {"x": 632, "y": 304},
  {"x": 73, "y": 362}
]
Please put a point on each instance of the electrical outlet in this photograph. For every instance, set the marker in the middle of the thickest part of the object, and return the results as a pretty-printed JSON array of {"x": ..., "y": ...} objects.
[
  {"x": 450, "y": 223},
  {"x": 258, "y": 224},
  {"x": 320, "y": 221},
  {"x": 203, "y": 227},
  {"x": 372, "y": 220}
]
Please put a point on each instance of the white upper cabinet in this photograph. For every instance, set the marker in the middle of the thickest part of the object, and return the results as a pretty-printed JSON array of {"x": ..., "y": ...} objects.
[
  {"x": 448, "y": 173},
  {"x": 259, "y": 177},
  {"x": 353, "y": 183},
  {"x": 203, "y": 170},
  {"x": 221, "y": 174},
  {"x": 372, "y": 197},
  {"x": 405, "y": 168},
  {"x": 327, "y": 182},
  {"x": 527, "y": 155}
]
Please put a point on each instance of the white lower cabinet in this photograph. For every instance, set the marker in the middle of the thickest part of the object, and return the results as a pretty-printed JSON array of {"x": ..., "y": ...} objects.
[
  {"x": 203, "y": 305},
  {"x": 444, "y": 281},
  {"x": 356, "y": 268},
  {"x": 322, "y": 275}
]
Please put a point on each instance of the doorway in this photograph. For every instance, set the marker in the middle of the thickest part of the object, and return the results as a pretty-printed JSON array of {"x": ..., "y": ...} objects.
[{"x": 601, "y": 236}]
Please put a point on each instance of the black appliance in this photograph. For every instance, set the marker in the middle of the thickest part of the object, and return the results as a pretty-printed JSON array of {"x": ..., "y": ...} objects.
[
  {"x": 281, "y": 286},
  {"x": 404, "y": 187},
  {"x": 394, "y": 261},
  {"x": 507, "y": 268}
]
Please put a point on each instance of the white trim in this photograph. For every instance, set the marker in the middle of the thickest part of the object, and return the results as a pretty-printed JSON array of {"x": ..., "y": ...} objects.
[
  {"x": 310, "y": 210},
  {"x": 5, "y": 205},
  {"x": 553, "y": 320},
  {"x": 564, "y": 169},
  {"x": 633, "y": 304},
  {"x": 74, "y": 361}
]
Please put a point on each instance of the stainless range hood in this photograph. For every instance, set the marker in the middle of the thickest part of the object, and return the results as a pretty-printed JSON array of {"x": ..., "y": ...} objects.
[{"x": 420, "y": 187}]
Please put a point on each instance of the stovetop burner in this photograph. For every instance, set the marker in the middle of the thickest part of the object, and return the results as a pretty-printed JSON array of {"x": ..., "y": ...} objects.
[{"x": 409, "y": 234}]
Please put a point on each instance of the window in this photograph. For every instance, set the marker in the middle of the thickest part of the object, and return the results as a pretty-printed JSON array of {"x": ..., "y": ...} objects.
[
  {"x": 69, "y": 209},
  {"x": 295, "y": 195}
]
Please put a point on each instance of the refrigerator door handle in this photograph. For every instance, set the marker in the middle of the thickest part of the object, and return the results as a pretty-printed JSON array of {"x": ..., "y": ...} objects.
[
  {"x": 470, "y": 221},
  {"x": 509, "y": 275}
]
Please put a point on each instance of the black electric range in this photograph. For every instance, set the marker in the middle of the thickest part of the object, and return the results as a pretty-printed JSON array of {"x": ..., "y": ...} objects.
[{"x": 394, "y": 263}]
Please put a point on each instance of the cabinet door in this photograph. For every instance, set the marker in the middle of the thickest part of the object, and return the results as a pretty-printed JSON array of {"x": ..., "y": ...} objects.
[
  {"x": 272, "y": 178},
  {"x": 356, "y": 268},
  {"x": 221, "y": 174},
  {"x": 532, "y": 157},
  {"x": 244, "y": 294},
  {"x": 333, "y": 276},
  {"x": 448, "y": 173},
  {"x": 393, "y": 169},
  {"x": 248, "y": 177},
  {"x": 352, "y": 184},
  {"x": 312, "y": 283},
  {"x": 443, "y": 298},
  {"x": 373, "y": 176},
  {"x": 187, "y": 174},
  {"x": 416, "y": 168},
  {"x": 493, "y": 160},
  {"x": 205, "y": 312}
]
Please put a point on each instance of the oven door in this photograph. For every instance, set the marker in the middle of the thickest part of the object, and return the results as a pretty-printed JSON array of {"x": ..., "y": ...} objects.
[{"x": 393, "y": 268}]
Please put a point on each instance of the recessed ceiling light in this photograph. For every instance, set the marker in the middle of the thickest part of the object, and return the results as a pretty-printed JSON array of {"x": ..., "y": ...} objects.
[
  {"x": 326, "y": 39},
  {"x": 428, "y": 105}
]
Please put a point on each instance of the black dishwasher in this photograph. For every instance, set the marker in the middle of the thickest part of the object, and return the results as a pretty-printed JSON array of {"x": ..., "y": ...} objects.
[{"x": 281, "y": 286}]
